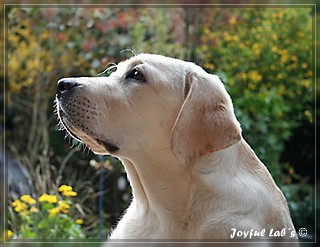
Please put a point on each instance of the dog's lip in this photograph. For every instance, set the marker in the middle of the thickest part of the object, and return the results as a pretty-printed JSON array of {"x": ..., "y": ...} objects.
[{"x": 97, "y": 144}]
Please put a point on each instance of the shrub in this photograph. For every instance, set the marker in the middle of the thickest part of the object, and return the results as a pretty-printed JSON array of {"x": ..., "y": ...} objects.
[{"x": 265, "y": 58}]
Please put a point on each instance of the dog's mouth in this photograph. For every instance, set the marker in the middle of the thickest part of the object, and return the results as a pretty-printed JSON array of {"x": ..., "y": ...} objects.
[{"x": 96, "y": 144}]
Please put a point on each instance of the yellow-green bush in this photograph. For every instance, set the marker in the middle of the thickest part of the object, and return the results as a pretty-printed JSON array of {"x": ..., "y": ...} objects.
[{"x": 265, "y": 58}]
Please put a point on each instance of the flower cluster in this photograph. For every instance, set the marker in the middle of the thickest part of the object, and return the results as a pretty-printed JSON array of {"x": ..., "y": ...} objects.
[
  {"x": 66, "y": 190},
  {"x": 48, "y": 211},
  {"x": 48, "y": 198}
]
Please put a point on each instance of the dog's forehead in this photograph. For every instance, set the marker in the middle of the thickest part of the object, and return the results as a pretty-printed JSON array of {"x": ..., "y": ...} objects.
[{"x": 152, "y": 60}]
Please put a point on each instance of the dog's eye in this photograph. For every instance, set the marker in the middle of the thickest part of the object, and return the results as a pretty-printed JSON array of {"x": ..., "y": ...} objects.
[{"x": 135, "y": 74}]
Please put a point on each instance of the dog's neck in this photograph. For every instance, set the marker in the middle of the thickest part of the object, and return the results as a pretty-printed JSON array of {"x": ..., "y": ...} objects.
[
  {"x": 158, "y": 180},
  {"x": 168, "y": 190},
  {"x": 159, "y": 187}
]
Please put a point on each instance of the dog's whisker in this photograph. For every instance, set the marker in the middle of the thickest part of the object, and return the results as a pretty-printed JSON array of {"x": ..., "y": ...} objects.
[
  {"x": 108, "y": 70},
  {"x": 133, "y": 53}
]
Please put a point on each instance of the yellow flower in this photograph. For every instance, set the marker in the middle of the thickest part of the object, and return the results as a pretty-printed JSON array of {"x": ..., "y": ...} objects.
[
  {"x": 64, "y": 188},
  {"x": 67, "y": 190},
  {"x": 69, "y": 193},
  {"x": 209, "y": 66},
  {"x": 252, "y": 86},
  {"x": 274, "y": 37},
  {"x": 15, "y": 203},
  {"x": 256, "y": 49},
  {"x": 279, "y": 76},
  {"x": 255, "y": 76},
  {"x": 306, "y": 83},
  {"x": 34, "y": 210},
  {"x": 274, "y": 49},
  {"x": 235, "y": 64},
  {"x": 79, "y": 221},
  {"x": 294, "y": 58},
  {"x": 9, "y": 234},
  {"x": 48, "y": 198},
  {"x": 18, "y": 206},
  {"x": 309, "y": 73},
  {"x": 243, "y": 76},
  {"x": 52, "y": 212},
  {"x": 63, "y": 204},
  {"x": 227, "y": 36},
  {"x": 28, "y": 199},
  {"x": 235, "y": 38},
  {"x": 63, "y": 207}
]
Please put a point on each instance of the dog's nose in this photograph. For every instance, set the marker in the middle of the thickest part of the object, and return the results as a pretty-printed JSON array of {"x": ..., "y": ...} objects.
[{"x": 65, "y": 85}]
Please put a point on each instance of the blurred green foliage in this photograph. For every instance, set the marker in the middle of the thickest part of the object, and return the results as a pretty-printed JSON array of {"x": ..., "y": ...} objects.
[{"x": 264, "y": 56}]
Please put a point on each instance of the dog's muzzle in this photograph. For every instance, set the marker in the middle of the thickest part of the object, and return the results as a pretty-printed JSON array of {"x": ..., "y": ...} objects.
[{"x": 73, "y": 122}]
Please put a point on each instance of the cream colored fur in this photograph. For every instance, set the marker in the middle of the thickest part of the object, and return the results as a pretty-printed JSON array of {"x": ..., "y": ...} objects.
[{"x": 192, "y": 174}]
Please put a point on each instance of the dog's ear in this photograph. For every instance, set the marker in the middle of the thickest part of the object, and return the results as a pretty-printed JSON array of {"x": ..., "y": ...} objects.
[{"x": 206, "y": 122}]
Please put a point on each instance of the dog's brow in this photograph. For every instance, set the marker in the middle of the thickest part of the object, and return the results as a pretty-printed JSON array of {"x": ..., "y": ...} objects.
[{"x": 134, "y": 64}]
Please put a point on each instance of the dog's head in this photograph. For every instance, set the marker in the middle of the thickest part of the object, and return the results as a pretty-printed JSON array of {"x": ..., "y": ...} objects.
[{"x": 149, "y": 103}]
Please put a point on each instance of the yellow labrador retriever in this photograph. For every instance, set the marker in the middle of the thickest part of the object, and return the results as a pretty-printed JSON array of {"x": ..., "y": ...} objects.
[{"x": 173, "y": 126}]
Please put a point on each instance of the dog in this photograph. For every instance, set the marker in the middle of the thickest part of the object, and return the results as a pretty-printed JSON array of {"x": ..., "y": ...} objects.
[{"x": 173, "y": 126}]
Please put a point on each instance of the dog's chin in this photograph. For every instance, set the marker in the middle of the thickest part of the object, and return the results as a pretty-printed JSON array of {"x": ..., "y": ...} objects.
[{"x": 97, "y": 145}]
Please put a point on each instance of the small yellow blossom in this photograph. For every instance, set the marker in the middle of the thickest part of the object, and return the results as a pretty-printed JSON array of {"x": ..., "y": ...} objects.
[
  {"x": 252, "y": 86},
  {"x": 67, "y": 190},
  {"x": 64, "y": 188},
  {"x": 63, "y": 204},
  {"x": 294, "y": 58},
  {"x": 306, "y": 83},
  {"x": 48, "y": 198},
  {"x": 28, "y": 199},
  {"x": 235, "y": 64},
  {"x": 243, "y": 76},
  {"x": 79, "y": 221},
  {"x": 34, "y": 210},
  {"x": 274, "y": 37},
  {"x": 63, "y": 207},
  {"x": 256, "y": 49},
  {"x": 52, "y": 212},
  {"x": 18, "y": 205},
  {"x": 235, "y": 38},
  {"x": 69, "y": 193},
  {"x": 9, "y": 234},
  {"x": 309, "y": 73},
  {"x": 255, "y": 76},
  {"x": 209, "y": 66},
  {"x": 227, "y": 36},
  {"x": 274, "y": 49}
]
